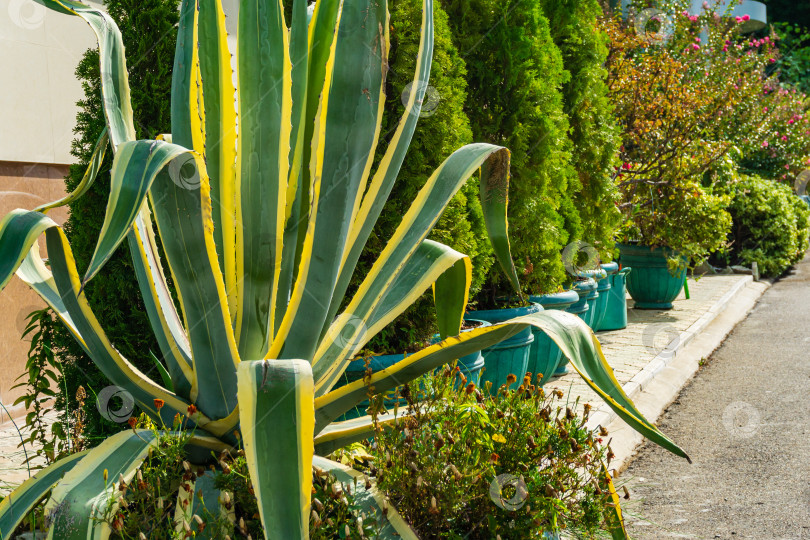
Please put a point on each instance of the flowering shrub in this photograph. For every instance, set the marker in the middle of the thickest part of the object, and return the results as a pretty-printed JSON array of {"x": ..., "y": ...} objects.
[
  {"x": 677, "y": 93},
  {"x": 511, "y": 465}
]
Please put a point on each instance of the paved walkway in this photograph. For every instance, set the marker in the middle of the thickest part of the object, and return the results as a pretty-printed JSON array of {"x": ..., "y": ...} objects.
[
  {"x": 745, "y": 422},
  {"x": 12, "y": 455},
  {"x": 651, "y": 338}
]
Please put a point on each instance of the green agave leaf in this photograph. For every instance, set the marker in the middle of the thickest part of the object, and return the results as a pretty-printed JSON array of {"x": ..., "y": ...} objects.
[
  {"x": 78, "y": 503},
  {"x": 569, "y": 332},
  {"x": 347, "y": 130},
  {"x": 135, "y": 167},
  {"x": 450, "y": 294},
  {"x": 369, "y": 499},
  {"x": 265, "y": 104},
  {"x": 22, "y": 500},
  {"x": 388, "y": 169},
  {"x": 615, "y": 520},
  {"x": 181, "y": 201},
  {"x": 19, "y": 230},
  {"x": 352, "y": 330},
  {"x": 160, "y": 308},
  {"x": 277, "y": 422},
  {"x": 339, "y": 434},
  {"x": 300, "y": 57},
  {"x": 423, "y": 214},
  {"x": 114, "y": 79},
  {"x": 220, "y": 135},
  {"x": 89, "y": 175}
]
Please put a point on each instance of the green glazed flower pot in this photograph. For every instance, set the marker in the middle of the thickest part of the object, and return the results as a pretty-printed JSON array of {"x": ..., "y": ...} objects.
[
  {"x": 604, "y": 288},
  {"x": 587, "y": 293},
  {"x": 650, "y": 283},
  {"x": 545, "y": 355},
  {"x": 616, "y": 310},
  {"x": 510, "y": 356}
]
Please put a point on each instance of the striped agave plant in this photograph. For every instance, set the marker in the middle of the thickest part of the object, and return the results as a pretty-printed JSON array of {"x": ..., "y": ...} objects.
[{"x": 262, "y": 217}]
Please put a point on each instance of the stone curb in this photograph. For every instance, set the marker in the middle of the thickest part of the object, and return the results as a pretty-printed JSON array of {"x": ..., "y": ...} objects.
[{"x": 658, "y": 384}]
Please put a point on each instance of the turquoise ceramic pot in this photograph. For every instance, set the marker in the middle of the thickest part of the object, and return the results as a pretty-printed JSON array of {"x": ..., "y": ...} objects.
[
  {"x": 510, "y": 356},
  {"x": 650, "y": 283},
  {"x": 545, "y": 355},
  {"x": 616, "y": 311},
  {"x": 587, "y": 293},
  {"x": 604, "y": 287}
]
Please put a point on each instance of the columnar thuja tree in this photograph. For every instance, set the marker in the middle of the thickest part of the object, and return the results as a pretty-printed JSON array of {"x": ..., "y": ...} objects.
[{"x": 262, "y": 232}]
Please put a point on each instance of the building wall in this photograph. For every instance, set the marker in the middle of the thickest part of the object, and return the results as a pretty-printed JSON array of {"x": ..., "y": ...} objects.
[{"x": 39, "y": 52}]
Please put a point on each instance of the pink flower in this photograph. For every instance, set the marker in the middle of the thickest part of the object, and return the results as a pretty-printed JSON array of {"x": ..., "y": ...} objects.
[
  {"x": 693, "y": 18},
  {"x": 790, "y": 121},
  {"x": 696, "y": 46},
  {"x": 772, "y": 60},
  {"x": 738, "y": 19},
  {"x": 697, "y": 39},
  {"x": 787, "y": 167},
  {"x": 746, "y": 18},
  {"x": 764, "y": 144}
]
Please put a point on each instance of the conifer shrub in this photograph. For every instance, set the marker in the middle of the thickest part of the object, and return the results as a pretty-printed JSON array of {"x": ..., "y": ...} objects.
[{"x": 515, "y": 77}]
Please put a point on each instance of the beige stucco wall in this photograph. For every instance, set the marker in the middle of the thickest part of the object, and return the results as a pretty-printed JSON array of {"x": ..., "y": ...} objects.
[{"x": 39, "y": 52}]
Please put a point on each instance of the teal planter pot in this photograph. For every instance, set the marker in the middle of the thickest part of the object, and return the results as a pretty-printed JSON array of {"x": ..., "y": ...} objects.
[
  {"x": 545, "y": 355},
  {"x": 616, "y": 311},
  {"x": 604, "y": 287},
  {"x": 650, "y": 283},
  {"x": 510, "y": 356},
  {"x": 586, "y": 290}
]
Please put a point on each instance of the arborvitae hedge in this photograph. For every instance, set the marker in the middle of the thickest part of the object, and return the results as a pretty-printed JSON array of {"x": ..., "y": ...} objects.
[
  {"x": 593, "y": 130},
  {"x": 443, "y": 128},
  {"x": 515, "y": 76},
  {"x": 149, "y": 33}
]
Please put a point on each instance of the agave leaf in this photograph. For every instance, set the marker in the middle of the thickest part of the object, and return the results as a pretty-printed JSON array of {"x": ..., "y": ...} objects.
[
  {"x": 220, "y": 135},
  {"x": 114, "y": 78},
  {"x": 339, "y": 434},
  {"x": 135, "y": 167},
  {"x": 89, "y": 177},
  {"x": 450, "y": 294},
  {"x": 163, "y": 316},
  {"x": 22, "y": 500},
  {"x": 346, "y": 134},
  {"x": 352, "y": 330},
  {"x": 401, "y": 247},
  {"x": 369, "y": 499},
  {"x": 265, "y": 105},
  {"x": 615, "y": 520},
  {"x": 277, "y": 418},
  {"x": 569, "y": 332},
  {"x": 79, "y": 502},
  {"x": 181, "y": 202}
]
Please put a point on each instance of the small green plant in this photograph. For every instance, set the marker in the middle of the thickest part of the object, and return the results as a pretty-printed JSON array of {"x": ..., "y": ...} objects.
[
  {"x": 40, "y": 382},
  {"x": 514, "y": 464}
]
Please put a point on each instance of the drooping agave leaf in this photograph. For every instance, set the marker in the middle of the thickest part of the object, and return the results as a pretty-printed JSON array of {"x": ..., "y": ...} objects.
[
  {"x": 568, "y": 331},
  {"x": 351, "y": 331},
  {"x": 426, "y": 209},
  {"x": 615, "y": 520},
  {"x": 20, "y": 502},
  {"x": 114, "y": 79},
  {"x": 275, "y": 406}
]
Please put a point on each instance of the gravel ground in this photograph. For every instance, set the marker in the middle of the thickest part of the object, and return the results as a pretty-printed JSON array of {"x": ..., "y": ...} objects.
[{"x": 745, "y": 421}]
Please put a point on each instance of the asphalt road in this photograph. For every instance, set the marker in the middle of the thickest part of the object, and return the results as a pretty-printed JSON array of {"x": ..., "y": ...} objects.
[{"x": 745, "y": 422}]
